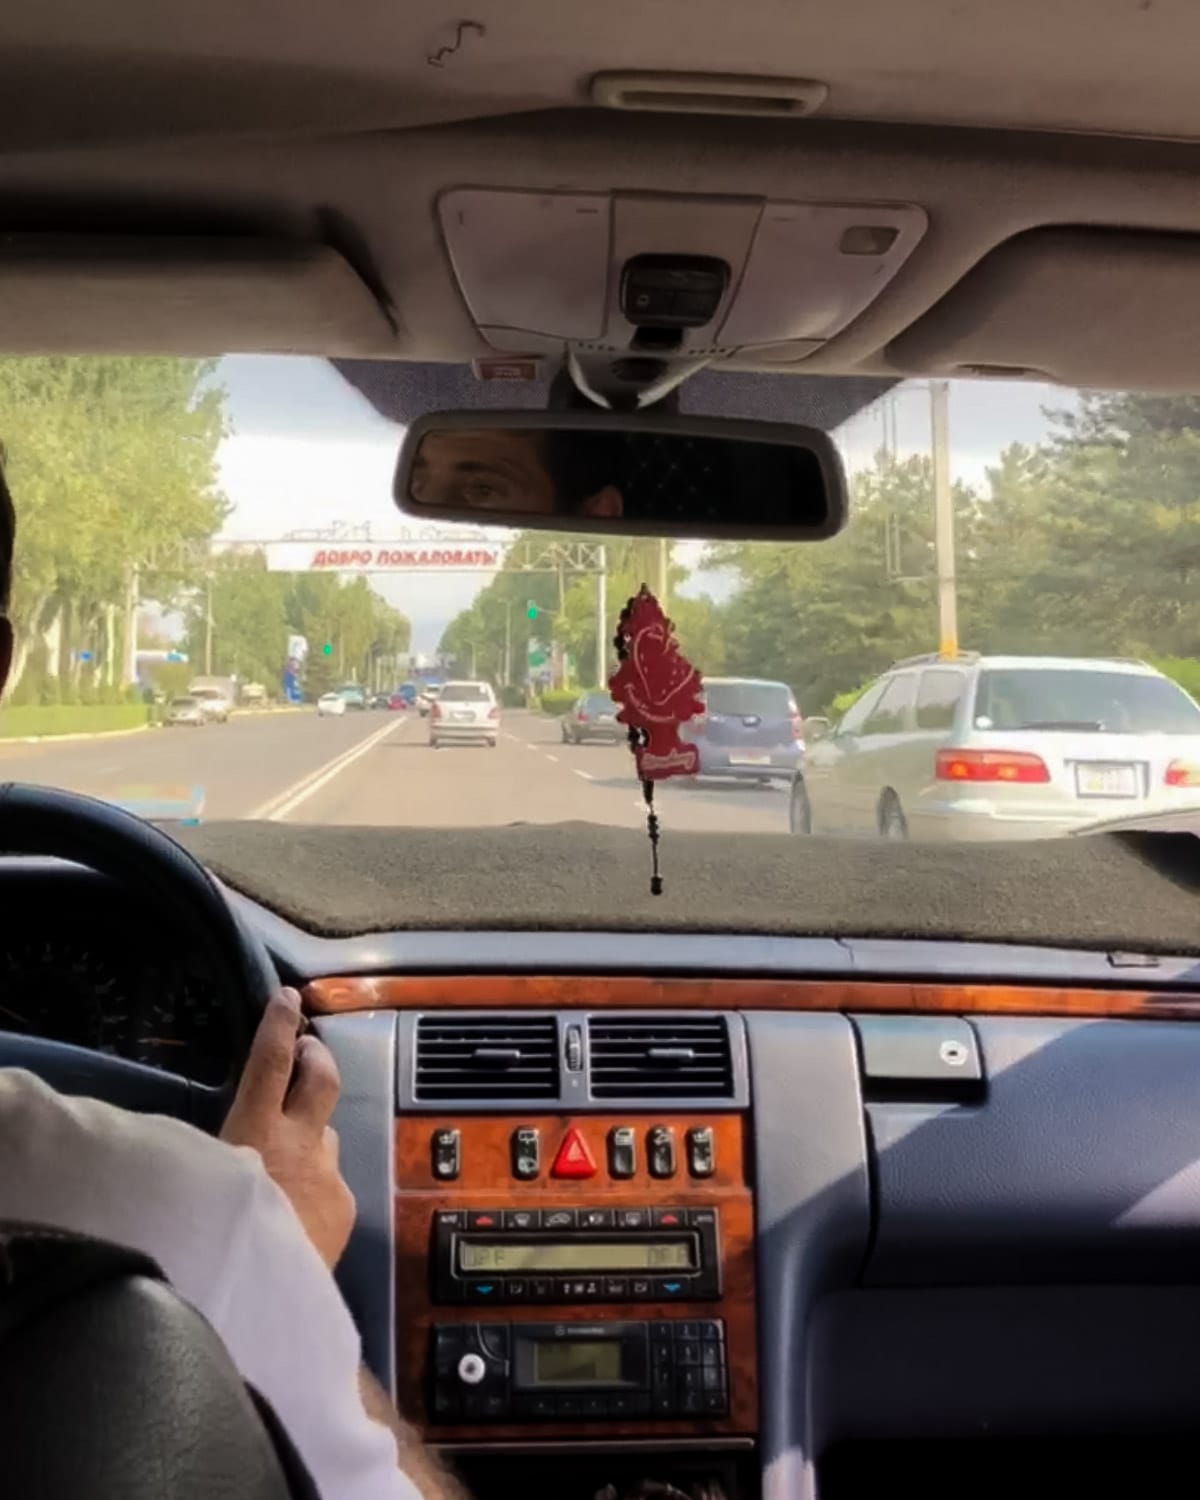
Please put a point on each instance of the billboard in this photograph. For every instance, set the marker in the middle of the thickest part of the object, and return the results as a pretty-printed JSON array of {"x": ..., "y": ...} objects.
[
  {"x": 297, "y": 653},
  {"x": 383, "y": 557}
]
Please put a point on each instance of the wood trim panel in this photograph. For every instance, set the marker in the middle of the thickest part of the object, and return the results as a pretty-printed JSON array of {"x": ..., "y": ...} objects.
[
  {"x": 474, "y": 992},
  {"x": 486, "y": 1182}
]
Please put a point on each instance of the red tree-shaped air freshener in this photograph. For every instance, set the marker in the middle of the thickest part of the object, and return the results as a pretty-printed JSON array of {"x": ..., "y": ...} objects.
[{"x": 658, "y": 690}]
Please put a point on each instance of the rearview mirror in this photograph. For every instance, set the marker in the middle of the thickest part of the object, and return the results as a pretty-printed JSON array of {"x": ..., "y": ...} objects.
[
  {"x": 816, "y": 730},
  {"x": 625, "y": 473}
]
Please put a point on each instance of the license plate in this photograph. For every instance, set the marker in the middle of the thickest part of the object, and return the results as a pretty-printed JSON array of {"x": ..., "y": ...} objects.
[
  {"x": 1097, "y": 780},
  {"x": 605, "y": 719},
  {"x": 750, "y": 758}
]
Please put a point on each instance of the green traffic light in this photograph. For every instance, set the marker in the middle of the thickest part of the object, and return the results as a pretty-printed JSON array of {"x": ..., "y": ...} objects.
[
  {"x": 327, "y": 649},
  {"x": 531, "y": 610}
]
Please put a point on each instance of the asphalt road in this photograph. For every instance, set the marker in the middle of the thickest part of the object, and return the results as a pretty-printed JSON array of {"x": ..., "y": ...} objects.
[{"x": 375, "y": 768}]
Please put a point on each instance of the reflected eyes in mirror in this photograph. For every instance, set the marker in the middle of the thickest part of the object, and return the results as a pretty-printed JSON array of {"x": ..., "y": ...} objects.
[{"x": 497, "y": 469}]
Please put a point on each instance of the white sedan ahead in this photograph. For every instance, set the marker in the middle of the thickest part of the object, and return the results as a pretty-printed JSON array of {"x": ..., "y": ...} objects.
[{"x": 330, "y": 703}]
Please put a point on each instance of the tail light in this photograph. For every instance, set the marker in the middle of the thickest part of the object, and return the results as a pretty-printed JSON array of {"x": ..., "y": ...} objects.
[
  {"x": 435, "y": 710},
  {"x": 581, "y": 717},
  {"x": 1183, "y": 773},
  {"x": 797, "y": 727},
  {"x": 494, "y": 711},
  {"x": 991, "y": 765}
]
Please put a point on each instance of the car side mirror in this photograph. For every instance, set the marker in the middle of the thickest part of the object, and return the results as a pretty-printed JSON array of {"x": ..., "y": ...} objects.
[{"x": 816, "y": 730}]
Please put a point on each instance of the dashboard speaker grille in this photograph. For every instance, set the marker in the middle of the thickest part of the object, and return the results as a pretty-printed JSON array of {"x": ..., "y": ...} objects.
[
  {"x": 661, "y": 1057},
  {"x": 497, "y": 1057}
]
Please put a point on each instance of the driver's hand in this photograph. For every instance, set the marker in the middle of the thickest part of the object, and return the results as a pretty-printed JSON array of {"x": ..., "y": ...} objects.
[{"x": 282, "y": 1108}]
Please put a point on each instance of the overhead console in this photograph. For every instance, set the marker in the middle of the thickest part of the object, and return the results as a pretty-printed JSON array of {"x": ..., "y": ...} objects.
[{"x": 609, "y": 276}]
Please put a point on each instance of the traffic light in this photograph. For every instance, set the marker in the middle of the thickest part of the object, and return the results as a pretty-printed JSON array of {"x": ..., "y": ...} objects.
[
  {"x": 327, "y": 649},
  {"x": 531, "y": 610}
]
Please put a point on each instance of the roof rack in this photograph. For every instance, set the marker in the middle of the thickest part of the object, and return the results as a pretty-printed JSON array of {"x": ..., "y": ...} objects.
[{"x": 934, "y": 656}]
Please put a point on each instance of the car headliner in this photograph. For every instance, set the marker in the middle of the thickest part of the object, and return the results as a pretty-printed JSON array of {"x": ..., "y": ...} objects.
[{"x": 228, "y": 178}]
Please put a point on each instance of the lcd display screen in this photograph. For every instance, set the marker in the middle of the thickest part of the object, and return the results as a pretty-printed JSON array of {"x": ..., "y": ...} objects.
[
  {"x": 497, "y": 1257},
  {"x": 577, "y": 1362}
]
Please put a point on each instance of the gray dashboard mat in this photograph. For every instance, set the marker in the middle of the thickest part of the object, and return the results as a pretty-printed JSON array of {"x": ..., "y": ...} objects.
[{"x": 1134, "y": 891}]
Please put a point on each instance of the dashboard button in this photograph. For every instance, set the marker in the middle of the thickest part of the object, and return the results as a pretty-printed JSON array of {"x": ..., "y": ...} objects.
[
  {"x": 664, "y": 1330},
  {"x": 662, "y": 1404},
  {"x": 713, "y": 1356},
  {"x": 558, "y": 1218},
  {"x": 616, "y": 1289},
  {"x": 687, "y": 1330},
  {"x": 702, "y": 1218},
  {"x": 542, "y": 1289},
  {"x": 701, "y": 1151},
  {"x": 525, "y": 1151},
  {"x": 543, "y": 1406},
  {"x": 687, "y": 1352},
  {"x": 446, "y": 1406},
  {"x": 668, "y": 1218},
  {"x": 522, "y": 1218},
  {"x": 711, "y": 1329},
  {"x": 595, "y": 1406},
  {"x": 495, "y": 1406},
  {"x": 484, "y": 1218},
  {"x": 660, "y": 1151},
  {"x": 639, "y": 1288},
  {"x": 691, "y": 1403},
  {"x": 480, "y": 1291},
  {"x": 622, "y": 1151},
  {"x": 448, "y": 1218},
  {"x": 569, "y": 1406},
  {"x": 668, "y": 1287},
  {"x": 716, "y": 1403},
  {"x": 713, "y": 1380},
  {"x": 516, "y": 1290},
  {"x": 632, "y": 1218},
  {"x": 595, "y": 1218},
  {"x": 446, "y": 1154}
]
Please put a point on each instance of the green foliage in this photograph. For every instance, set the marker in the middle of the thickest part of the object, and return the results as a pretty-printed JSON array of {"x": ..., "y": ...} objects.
[
  {"x": 841, "y": 703},
  {"x": 254, "y": 612},
  {"x": 511, "y": 697},
  {"x": 20, "y": 722},
  {"x": 557, "y": 701},
  {"x": 1185, "y": 670}
]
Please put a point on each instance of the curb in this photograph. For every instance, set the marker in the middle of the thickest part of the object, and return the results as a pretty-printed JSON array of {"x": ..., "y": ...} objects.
[{"x": 63, "y": 739}]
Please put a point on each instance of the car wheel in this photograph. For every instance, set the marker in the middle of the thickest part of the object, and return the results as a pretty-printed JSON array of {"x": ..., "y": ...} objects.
[
  {"x": 491, "y": 744},
  {"x": 800, "y": 809},
  {"x": 435, "y": 744},
  {"x": 892, "y": 823}
]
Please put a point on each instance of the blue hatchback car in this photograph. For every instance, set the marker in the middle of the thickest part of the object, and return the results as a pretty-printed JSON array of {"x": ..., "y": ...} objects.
[{"x": 750, "y": 729}]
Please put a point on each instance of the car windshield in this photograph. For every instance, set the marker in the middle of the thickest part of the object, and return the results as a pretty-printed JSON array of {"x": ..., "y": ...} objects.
[
  {"x": 748, "y": 699},
  {"x": 184, "y": 703},
  {"x": 1104, "y": 702},
  {"x": 229, "y": 524}
]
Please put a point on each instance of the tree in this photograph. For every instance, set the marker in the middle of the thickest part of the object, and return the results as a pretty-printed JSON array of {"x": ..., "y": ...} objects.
[{"x": 112, "y": 463}]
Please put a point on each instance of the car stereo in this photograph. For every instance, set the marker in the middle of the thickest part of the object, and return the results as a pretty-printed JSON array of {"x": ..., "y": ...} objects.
[{"x": 496, "y": 1372}]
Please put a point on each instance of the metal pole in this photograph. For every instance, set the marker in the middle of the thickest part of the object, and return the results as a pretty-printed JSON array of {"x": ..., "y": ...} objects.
[
  {"x": 474, "y": 673},
  {"x": 601, "y": 613},
  {"x": 208, "y": 625},
  {"x": 507, "y": 678},
  {"x": 943, "y": 515}
]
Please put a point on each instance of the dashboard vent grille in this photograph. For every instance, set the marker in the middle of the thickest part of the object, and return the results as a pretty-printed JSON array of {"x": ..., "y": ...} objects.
[
  {"x": 661, "y": 1057},
  {"x": 486, "y": 1057}
]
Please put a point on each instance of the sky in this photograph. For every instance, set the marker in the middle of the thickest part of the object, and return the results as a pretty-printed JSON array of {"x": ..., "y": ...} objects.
[{"x": 306, "y": 451}]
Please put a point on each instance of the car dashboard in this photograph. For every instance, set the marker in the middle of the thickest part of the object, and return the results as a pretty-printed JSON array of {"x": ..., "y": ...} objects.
[{"x": 804, "y": 1231}]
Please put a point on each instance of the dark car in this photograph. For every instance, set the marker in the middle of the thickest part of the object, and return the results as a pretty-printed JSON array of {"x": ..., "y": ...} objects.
[
  {"x": 379, "y": 700},
  {"x": 750, "y": 730},
  {"x": 592, "y": 717}
]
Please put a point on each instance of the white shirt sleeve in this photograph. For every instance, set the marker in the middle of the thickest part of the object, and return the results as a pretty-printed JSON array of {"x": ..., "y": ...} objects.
[{"x": 228, "y": 1241}]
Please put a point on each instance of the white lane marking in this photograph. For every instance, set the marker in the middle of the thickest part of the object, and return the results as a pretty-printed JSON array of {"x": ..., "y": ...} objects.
[
  {"x": 529, "y": 745},
  {"x": 274, "y": 809},
  {"x": 587, "y": 775},
  {"x": 551, "y": 757}
]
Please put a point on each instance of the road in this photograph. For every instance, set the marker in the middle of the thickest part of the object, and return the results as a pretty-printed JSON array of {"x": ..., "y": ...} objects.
[{"x": 374, "y": 768}]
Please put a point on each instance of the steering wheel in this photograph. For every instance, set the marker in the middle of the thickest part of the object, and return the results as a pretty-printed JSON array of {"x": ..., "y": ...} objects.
[{"x": 144, "y": 861}]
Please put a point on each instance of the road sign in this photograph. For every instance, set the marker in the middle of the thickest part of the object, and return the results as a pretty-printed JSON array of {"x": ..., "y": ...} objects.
[{"x": 537, "y": 658}]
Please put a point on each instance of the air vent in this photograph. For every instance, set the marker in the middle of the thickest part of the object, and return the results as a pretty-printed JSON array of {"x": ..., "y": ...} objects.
[
  {"x": 664, "y": 1057},
  {"x": 486, "y": 1057}
]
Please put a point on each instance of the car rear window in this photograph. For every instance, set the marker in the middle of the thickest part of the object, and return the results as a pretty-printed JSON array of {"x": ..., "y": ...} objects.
[
  {"x": 599, "y": 703},
  {"x": 183, "y": 703},
  {"x": 765, "y": 700},
  {"x": 1080, "y": 700},
  {"x": 465, "y": 692}
]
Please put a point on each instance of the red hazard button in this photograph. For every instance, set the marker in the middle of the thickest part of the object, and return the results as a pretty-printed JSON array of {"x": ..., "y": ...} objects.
[{"x": 573, "y": 1159}]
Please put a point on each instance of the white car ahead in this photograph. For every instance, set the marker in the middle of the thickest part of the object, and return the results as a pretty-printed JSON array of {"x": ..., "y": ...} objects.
[
  {"x": 464, "y": 713},
  {"x": 330, "y": 703}
]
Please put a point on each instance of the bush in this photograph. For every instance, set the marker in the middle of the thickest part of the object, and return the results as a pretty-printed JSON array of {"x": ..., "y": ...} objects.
[
  {"x": 512, "y": 697},
  {"x": 558, "y": 701},
  {"x": 843, "y": 702},
  {"x": 1185, "y": 670},
  {"x": 18, "y": 722}
]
